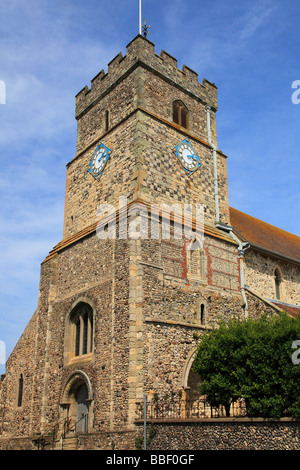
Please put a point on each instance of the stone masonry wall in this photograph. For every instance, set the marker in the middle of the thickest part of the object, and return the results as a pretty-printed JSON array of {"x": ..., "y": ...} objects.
[
  {"x": 84, "y": 193},
  {"x": 240, "y": 434},
  {"x": 96, "y": 272},
  {"x": 259, "y": 276},
  {"x": 21, "y": 361},
  {"x": 173, "y": 303},
  {"x": 28, "y": 358},
  {"x": 163, "y": 179}
]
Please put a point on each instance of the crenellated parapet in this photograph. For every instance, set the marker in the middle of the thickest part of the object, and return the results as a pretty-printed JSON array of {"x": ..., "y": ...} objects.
[{"x": 141, "y": 53}]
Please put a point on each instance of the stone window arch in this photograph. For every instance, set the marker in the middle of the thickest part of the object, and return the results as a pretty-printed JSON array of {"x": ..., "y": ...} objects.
[
  {"x": 187, "y": 368},
  {"x": 181, "y": 114},
  {"x": 79, "y": 338}
]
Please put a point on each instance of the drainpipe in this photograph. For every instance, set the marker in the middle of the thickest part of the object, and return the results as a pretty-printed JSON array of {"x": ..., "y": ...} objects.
[
  {"x": 214, "y": 164},
  {"x": 241, "y": 250},
  {"x": 241, "y": 246}
]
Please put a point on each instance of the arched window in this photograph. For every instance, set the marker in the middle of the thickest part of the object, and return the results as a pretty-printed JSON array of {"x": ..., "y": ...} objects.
[
  {"x": 202, "y": 314},
  {"x": 180, "y": 114},
  {"x": 20, "y": 390},
  {"x": 277, "y": 277},
  {"x": 196, "y": 260},
  {"x": 106, "y": 121},
  {"x": 82, "y": 325}
]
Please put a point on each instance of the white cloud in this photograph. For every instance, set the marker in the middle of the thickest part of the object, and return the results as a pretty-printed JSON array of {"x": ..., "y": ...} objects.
[{"x": 254, "y": 18}]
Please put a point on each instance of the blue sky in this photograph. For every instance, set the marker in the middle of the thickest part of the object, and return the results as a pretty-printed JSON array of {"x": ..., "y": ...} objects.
[{"x": 51, "y": 49}]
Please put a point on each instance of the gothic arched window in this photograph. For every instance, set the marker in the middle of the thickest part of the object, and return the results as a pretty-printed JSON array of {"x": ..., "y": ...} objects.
[
  {"x": 180, "y": 114},
  {"x": 82, "y": 325},
  {"x": 202, "y": 314}
]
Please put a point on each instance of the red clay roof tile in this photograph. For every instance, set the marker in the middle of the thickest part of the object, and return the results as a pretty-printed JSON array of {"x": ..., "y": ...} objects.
[{"x": 264, "y": 235}]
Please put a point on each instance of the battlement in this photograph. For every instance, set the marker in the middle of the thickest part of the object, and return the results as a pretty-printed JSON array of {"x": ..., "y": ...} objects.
[{"x": 141, "y": 53}]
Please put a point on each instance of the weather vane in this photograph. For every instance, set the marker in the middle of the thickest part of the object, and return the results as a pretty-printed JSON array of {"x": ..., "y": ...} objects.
[{"x": 146, "y": 29}]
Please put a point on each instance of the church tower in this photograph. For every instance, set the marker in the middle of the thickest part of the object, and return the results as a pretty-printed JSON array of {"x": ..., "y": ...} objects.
[
  {"x": 141, "y": 109},
  {"x": 119, "y": 316}
]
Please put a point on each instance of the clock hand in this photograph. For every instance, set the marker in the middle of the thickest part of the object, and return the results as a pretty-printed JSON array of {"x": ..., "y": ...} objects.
[{"x": 192, "y": 157}]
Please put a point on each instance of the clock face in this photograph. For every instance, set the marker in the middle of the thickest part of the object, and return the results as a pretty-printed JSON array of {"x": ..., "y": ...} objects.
[
  {"x": 187, "y": 156},
  {"x": 99, "y": 160}
]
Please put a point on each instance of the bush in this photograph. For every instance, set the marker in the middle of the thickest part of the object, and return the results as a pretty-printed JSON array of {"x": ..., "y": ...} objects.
[{"x": 252, "y": 360}]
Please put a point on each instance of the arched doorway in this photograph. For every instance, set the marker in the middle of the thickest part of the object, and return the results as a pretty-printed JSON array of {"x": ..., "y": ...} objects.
[
  {"x": 195, "y": 402},
  {"x": 77, "y": 403},
  {"x": 196, "y": 405}
]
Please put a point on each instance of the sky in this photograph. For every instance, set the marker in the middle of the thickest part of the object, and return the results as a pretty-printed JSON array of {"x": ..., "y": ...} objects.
[{"x": 49, "y": 51}]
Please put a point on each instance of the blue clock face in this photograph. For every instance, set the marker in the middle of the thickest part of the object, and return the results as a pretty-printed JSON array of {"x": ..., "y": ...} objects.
[
  {"x": 187, "y": 156},
  {"x": 99, "y": 160}
]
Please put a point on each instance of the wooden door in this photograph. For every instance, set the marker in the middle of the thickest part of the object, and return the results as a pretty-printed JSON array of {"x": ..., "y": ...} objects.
[{"x": 82, "y": 409}]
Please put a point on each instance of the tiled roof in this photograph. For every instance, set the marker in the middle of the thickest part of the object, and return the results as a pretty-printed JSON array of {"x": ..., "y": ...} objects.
[
  {"x": 265, "y": 236},
  {"x": 293, "y": 310}
]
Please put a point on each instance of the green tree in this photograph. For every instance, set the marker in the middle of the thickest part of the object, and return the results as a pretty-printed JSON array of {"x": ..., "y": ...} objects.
[{"x": 252, "y": 360}]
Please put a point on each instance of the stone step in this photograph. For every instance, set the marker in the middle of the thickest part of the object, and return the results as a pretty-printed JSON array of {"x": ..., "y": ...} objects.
[{"x": 67, "y": 443}]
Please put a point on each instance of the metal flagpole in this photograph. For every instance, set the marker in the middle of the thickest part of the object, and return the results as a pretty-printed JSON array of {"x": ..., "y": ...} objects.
[{"x": 140, "y": 18}]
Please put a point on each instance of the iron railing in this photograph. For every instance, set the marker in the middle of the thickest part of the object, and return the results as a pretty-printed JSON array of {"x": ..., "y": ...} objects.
[
  {"x": 49, "y": 439},
  {"x": 67, "y": 427},
  {"x": 187, "y": 409}
]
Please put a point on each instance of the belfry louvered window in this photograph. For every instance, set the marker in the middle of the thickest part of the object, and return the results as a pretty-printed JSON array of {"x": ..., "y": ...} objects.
[{"x": 180, "y": 114}]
